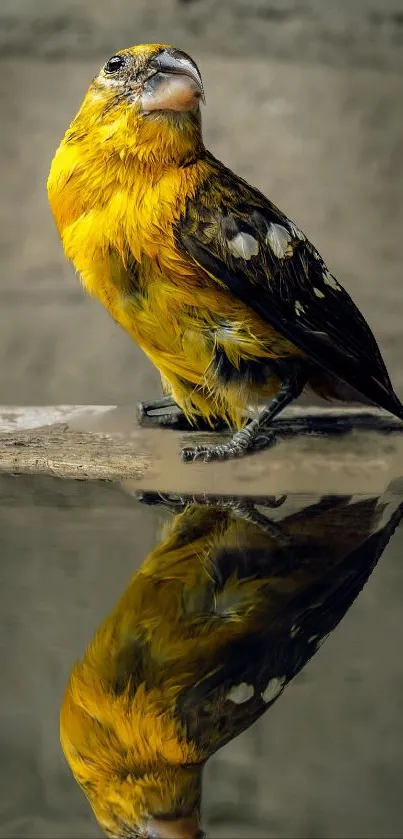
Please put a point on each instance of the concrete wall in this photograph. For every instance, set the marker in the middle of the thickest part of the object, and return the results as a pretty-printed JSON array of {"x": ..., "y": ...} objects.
[{"x": 337, "y": 31}]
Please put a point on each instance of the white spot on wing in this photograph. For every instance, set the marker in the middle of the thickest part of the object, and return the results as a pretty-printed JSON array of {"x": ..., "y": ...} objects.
[
  {"x": 294, "y": 630},
  {"x": 243, "y": 245},
  {"x": 278, "y": 238},
  {"x": 241, "y": 693},
  {"x": 299, "y": 309},
  {"x": 318, "y": 292},
  {"x": 273, "y": 689},
  {"x": 296, "y": 232},
  {"x": 330, "y": 281}
]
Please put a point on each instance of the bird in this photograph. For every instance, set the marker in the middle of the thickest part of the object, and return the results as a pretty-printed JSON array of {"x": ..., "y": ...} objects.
[
  {"x": 225, "y": 295},
  {"x": 211, "y": 629}
]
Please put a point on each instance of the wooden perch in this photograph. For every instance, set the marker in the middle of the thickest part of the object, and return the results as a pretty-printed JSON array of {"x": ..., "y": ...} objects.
[{"x": 324, "y": 450}]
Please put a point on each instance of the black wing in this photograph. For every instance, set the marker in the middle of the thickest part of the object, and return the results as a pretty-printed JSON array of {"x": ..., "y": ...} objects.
[
  {"x": 251, "y": 248},
  {"x": 296, "y": 625}
]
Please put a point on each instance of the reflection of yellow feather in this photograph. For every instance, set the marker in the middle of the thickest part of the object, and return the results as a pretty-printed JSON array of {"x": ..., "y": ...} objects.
[
  {"x": 218, "y": 603},
  {"x": 119, "y": 731}
]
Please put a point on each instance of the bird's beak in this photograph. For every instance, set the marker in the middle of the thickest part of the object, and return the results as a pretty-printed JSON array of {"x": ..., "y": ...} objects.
[
  {"x": 175, "y": 85},
  {"x": 187, "y": 828},
  {"x": 178, "y": 63}
]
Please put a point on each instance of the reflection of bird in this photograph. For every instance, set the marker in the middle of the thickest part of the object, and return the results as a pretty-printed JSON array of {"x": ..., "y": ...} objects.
[
  {"x": 212, "y": 627},
  {"x": 221, "y": 290}
]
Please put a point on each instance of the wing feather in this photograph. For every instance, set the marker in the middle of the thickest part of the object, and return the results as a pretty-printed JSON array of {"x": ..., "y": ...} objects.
[{"x": 246, "y": 244}]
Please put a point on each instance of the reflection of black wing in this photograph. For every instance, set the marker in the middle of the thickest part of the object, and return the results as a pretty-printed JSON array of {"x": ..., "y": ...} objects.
[
  {"x": 248, "y": 246},
  {"x": 268, "y": 660}
]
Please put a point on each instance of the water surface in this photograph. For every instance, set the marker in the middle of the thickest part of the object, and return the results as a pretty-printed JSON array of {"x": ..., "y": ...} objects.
[{"x": 325, "y": 760}]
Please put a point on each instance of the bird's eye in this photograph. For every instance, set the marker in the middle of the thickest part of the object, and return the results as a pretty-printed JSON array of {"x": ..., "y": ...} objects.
[{"x": 114, "y": 64}]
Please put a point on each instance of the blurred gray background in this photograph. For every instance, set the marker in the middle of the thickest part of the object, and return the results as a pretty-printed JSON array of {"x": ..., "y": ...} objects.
[{"x": 304, "y": 99}]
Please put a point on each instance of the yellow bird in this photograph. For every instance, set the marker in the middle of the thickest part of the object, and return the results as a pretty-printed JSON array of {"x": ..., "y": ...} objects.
[
  {"x": 225, "y": 295},
  {"x": 215, "y": 623}
]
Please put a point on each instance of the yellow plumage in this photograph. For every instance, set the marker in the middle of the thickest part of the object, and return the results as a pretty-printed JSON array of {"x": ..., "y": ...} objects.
[{"x": 117, "y": 187}]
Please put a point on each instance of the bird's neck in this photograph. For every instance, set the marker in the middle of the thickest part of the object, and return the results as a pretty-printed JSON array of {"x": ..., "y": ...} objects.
[
  {"x": 120, "y": 196},
  {"x": 163, "y": 141},
  {"x": 96, "y": 161}
]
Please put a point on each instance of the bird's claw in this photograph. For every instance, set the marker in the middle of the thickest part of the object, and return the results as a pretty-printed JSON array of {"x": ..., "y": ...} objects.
[
  {"x": 145, "y": 415},
  {"x": 154, "y": 499},
  {"x": 240, "y": 445},
  {"x": 141, "y": 412},
  {"x": 161, "y": 413},
  {"x": 164, "y": 413},
  {"x": 192, "y": 453},
  {"x": 205, "y": 454}
]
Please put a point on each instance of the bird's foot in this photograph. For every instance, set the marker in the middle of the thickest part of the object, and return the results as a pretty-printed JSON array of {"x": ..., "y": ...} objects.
[
  {"x": 243, "y": 507},
  {"x": 161, "y": 413},
  {"x": 255, "y": 436},
  {"x": 165, "y": 413},
  {"x": 171, "y": 500},
  {"x": 204, "y": 499},
  {"x": 242, "y": 443}
]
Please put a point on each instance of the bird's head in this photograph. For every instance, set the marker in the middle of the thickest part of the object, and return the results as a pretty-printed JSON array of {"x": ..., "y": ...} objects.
[
  {"x": 145, "y": 101},
  {"x": 164, "y": 804},
  {"x": 141, "y": 778}
]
